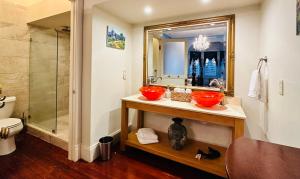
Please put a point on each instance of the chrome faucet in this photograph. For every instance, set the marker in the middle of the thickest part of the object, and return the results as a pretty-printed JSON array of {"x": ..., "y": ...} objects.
[
  {"x": 219, "y": 83},
  {"x": 153, "y": 79}
]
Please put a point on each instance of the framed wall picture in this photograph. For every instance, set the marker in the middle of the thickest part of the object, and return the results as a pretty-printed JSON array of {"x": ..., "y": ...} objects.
[
  {"x": 115, "y": 38},
  {"x": 298, "y": 17}
]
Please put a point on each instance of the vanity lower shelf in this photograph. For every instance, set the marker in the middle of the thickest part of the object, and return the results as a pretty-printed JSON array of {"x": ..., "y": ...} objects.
[
  {"x": 185, "y": 156},
  {"x": 232, "y": 116}
]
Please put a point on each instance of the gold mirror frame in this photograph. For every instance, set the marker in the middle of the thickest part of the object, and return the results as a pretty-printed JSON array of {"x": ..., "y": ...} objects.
[{"x": 231, "y": 45}]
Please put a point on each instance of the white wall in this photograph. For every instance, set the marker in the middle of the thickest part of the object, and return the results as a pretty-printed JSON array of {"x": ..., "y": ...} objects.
[
  {"x": 246, "y": 54},
  {"x": 280, "y": 43},
  {"x": 103, "y": 73},
  {"x": 269, "y": 30}
]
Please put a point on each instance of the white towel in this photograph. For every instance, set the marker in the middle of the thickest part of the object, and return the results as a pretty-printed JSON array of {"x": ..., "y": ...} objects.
[
  {"x": 147, "y": 136},
  {"x": 263, "y": 84},
  {"x": 263, "y": 98},
  {"x": 147, "y": 133},
  {"x": 258, "y": 87},
  {"x": 254, "y": 85},
  {"x": 145, "y": 141}
]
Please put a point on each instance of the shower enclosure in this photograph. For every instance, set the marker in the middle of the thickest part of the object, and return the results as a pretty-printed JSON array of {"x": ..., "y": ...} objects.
[{"x": 49, "y": 79}]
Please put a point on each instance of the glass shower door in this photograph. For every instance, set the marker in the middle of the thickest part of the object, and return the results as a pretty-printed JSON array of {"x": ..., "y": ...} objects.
[{"x": 43, "y": 79}]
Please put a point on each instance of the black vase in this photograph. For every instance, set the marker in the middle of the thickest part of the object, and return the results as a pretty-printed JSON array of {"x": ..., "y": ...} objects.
[{"x": 177, "y": 134}]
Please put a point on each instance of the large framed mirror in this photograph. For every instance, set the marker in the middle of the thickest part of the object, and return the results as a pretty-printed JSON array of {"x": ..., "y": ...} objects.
[{"x": 191, "y": 54}]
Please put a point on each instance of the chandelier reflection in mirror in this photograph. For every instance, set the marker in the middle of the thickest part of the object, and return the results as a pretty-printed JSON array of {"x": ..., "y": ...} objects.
[{"x": 201, "y": 43}]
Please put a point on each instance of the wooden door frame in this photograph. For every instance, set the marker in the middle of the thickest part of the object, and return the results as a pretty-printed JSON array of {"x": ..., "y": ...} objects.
[{"x": 75, "y": 91}]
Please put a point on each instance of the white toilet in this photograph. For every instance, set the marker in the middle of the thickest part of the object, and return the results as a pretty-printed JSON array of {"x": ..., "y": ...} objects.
[{"x": 15, "y": 125}]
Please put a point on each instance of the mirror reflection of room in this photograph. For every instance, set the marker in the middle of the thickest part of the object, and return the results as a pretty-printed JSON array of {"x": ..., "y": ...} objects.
[{"x": 188, "y": 56}]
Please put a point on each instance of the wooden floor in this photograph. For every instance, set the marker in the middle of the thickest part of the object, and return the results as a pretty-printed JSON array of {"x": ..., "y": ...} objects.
[{"x": 35, "y": 158}]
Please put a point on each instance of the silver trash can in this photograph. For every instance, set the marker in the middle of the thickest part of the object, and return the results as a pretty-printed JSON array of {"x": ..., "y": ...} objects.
[{"x": 105, "y": 147}]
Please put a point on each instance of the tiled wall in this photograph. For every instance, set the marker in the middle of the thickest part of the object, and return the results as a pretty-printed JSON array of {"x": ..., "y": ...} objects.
[
  {"x": 14, "y": 54},
  {"x": 63, "y": 73}
]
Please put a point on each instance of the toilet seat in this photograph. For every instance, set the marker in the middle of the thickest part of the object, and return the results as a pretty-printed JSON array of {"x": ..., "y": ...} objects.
[
  {"x": 10, "y": 122},
  {"x": 15, "y": 125}
]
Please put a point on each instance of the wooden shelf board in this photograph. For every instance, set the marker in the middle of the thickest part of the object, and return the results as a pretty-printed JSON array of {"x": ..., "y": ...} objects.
[{"x": 185, "y": 156}]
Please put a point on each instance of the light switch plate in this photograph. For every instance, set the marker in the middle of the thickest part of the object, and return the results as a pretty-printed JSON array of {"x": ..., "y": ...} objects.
[
  {"x": 124, "y": 75},
  {"x": 281, "y": 86}
]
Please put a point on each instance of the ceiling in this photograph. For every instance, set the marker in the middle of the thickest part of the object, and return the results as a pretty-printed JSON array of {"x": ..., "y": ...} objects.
[
  {"x": 206, "y": 30},
  {"x": 132, "y": 11},
  {"x": 219, "y": 29},
  {"x": 195, "y": 33},
  {"x": 55, "y": 21},
  {"x": 26, "y": 3}
]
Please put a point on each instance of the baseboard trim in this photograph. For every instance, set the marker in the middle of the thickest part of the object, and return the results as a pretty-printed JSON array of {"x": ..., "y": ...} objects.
[
  {"x": 74, "y": 154},
  {"x": 91, "y": 153},
  {"x": 85, "y": 153}
]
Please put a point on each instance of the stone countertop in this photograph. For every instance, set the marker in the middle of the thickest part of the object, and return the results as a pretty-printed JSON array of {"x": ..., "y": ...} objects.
[{"x": 232, "y": 106}]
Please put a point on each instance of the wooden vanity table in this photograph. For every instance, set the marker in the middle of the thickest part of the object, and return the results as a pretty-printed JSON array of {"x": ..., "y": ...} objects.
[{"x": 231, "y": 115}]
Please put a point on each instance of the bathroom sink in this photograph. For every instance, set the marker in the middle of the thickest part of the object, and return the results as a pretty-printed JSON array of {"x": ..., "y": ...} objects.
[
  {"x": 207, "y": 98},
  {"x": 152, "y": 92}
]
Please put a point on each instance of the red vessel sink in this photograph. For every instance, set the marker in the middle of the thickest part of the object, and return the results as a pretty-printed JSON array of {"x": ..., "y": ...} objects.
[
  {"x": 207, "y": 98},
  {"x": 152, "y": 92}
]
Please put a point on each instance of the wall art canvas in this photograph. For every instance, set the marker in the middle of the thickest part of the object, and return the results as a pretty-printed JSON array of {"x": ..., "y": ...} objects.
[
  {"x": 298, "y": 17},
  {"x": 115, "y": 38}
]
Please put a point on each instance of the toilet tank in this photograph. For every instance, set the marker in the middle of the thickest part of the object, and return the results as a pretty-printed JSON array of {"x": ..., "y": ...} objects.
[{"x": 7, "y": 107}]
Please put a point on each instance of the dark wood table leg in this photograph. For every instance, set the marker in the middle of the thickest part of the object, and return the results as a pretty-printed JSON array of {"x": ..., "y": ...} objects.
[{"x": 140, "y": 119}]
